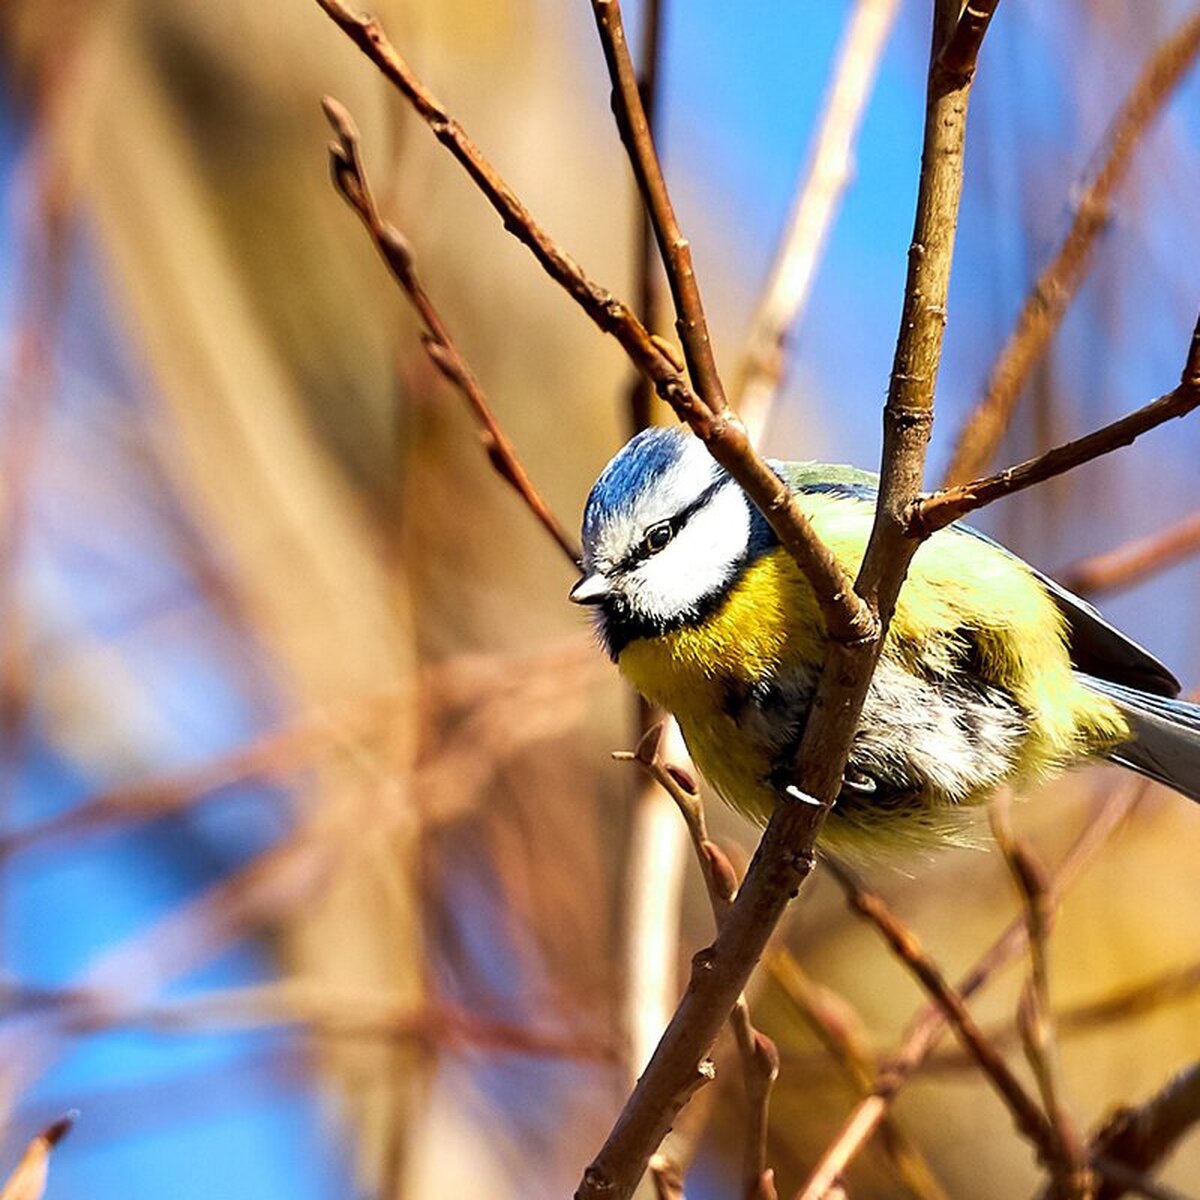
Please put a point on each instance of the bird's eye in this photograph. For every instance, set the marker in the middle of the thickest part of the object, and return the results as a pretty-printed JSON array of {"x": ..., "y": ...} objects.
[{"x": 657, "y": 537}]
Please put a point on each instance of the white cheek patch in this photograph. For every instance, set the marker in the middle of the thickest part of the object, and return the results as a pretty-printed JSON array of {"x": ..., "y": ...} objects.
[{"x": 698, "y": 561}]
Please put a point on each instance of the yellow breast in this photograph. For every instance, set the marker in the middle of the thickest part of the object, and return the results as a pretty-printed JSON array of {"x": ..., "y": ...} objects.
[{"x": 769, "y": 623}]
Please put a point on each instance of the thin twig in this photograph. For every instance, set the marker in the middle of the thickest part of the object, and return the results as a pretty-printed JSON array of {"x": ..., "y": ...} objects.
[
  {"x": 1060, "y": 280},
  {"x": 847, "y": 618},
  {"x": 675, "y": 249},
  {"x": 785, "y": 857},
  {"x": 350, "y": 179},
  {"x": 818, "y": 197},
  {"x": 1136, "y": 561},
  {"x": 929, "y": 1026},
  {"x": 28, "y": 1179},
  {"x": 943, "y": 507},
  {"x": 1035, "y": 1014},
  {"x": 648, "y": 286},
  {"x": 1029, "y": 1118}
]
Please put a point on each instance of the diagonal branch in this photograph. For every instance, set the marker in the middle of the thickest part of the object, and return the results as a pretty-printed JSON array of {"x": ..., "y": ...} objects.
[
  {"x": 350, "y": 180},
  {"x": 1029, "y": 1118},
  {"x": 925, "y": 1031},
  {"x": 1135, "y": 561},
  {"x": 1055, "y": 288},
  {"x": 847, "y": 618},
  {"x": 675, "y": 249},
  {"x": 950, "y": 504}
]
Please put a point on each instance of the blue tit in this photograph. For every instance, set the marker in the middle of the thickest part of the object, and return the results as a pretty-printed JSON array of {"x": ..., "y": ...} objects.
[{"x": 991, "y": 673}]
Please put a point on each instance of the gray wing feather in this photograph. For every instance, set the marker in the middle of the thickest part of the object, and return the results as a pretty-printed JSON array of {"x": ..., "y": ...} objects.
[{"x": 1166, "y": 736}]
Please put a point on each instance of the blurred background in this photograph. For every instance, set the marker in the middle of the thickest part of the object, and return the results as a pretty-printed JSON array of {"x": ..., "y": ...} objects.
[{"x": 313, "y": 859}]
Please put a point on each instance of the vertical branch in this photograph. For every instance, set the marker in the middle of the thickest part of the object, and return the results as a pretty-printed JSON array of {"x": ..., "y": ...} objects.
[
  {"x": 634, "y": 126},
  {"x": 649, "y": 292},
  {"x": 785, "y": 855},
  {"x": 825, "y": 179},
  {"x": 1035, "y": 1014},
  {"x": 655, "y": 863}
]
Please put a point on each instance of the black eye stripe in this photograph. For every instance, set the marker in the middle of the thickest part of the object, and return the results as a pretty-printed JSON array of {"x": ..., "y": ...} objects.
[{"x": 641, "y": 551}]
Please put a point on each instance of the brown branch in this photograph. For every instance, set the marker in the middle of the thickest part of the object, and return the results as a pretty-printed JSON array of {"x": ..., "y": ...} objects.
[
  {"x": 1035, "y": 1015},
  {"x": 847, "y": 618},
  {"x": 1028, "y": 1117},
  {"x": 785, "y": 857},
  {"x": 350, "y": 179},
  {"x": 759, "y": 1058},
  {"x": 1138, "y": 1139},
  {"x": 675, "y": 249},
  {"x": 28, "y": 1179},
  {"x": 649, "y": 291},
  {"x": 824, "y": 182},
  {"x": 943, "y": 507},
  {"x": 1060, "y": 279},
  {"x": 961, "y": 51},
  {"x": 1135, "y": 561},
  {"x": 928, "y": 1027}
]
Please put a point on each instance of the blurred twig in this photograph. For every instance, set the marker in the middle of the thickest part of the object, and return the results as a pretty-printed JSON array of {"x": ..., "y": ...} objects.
[
  {"x": 1035, "y": 1014},
  {"x": 1029, "y": 1118},
  {"x": 1056, "y": 286},
  {"x": 649, "y": 291},
  {"x": 825, "y": 178},
  {"x": 931, "y": 1023},
  {"x": 28, "y": 1180},
  {"x": 1138, "y": 1139},
  {"x": 351, "y": 181},
  {"x": 322, "y": 1010},
  {"x": 839, "y": 1028},
  {"x": 1136, "y": 561},
  {"x": 943, "y": 507}
]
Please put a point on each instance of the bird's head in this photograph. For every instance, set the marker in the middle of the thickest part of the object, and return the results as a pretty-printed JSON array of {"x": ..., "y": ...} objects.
[{"x": 665, "y": 531}]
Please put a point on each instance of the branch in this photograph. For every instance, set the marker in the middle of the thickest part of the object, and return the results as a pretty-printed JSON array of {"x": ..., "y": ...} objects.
[
  {"x": 1028, "y": 1117},
  {"x": 846, "y": 617},
  {"x": 1140, "y": 1138},
  {"x": 760, "y": 1059},
  {"x": 943, "y": 507},
  {"x": 1035, "y": 1015},
  {"x": 825, "y": 180},
  {"x": 28, "y": 1179},
  {"x": 925, "y": 1031},
  {"x": 675, "y": 249},
  {"x": 1047, "y": 303},
  {"x": 649, "y": 293},
  {"x": 350, "y": 179},
  {"x": 784, "y": 857},
  {"x": 1136, "y": 561}
]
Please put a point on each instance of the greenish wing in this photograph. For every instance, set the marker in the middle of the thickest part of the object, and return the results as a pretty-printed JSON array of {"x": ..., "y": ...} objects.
[{"x": 1097, "y": 647}]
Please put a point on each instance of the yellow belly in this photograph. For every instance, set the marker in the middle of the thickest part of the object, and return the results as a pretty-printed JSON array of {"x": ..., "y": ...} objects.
[{"x": 769, "y": 624}]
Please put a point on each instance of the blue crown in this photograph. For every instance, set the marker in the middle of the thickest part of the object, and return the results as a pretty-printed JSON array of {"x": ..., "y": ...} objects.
[{"x": 634, "y": 468}]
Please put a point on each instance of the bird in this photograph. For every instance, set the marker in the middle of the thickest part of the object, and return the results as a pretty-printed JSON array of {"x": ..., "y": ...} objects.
[{"x": 990, "y": 674}]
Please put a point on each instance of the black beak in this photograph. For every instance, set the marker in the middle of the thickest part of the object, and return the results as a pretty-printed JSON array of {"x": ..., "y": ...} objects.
[{"x": 591, "y": 589}]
